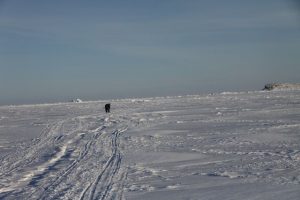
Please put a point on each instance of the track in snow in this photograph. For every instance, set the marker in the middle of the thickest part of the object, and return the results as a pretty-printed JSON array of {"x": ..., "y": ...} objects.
[{"x": 74, "y": 158}]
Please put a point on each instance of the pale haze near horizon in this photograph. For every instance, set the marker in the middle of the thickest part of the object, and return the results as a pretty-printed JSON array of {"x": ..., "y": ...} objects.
[{"x": 54, "y": 51}]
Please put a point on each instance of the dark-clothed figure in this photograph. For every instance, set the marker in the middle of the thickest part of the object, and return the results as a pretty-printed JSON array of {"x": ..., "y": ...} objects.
[{"x": 107, "y": 108}]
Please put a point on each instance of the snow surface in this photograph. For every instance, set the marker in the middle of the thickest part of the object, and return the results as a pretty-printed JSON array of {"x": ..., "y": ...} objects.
[{"x": 220, "y": 146}]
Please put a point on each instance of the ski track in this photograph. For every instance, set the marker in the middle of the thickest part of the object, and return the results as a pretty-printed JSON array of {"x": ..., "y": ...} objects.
[
  {"x": 49, "y": 167},
  {"x": 99, "y": 188}
]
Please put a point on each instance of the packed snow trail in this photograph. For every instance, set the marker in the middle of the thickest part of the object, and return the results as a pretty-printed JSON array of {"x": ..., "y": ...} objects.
[{"x": 77, "y": 157}]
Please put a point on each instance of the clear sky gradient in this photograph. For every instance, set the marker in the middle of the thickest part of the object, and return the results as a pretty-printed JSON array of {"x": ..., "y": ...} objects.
[{"x": 62, "y": 49}]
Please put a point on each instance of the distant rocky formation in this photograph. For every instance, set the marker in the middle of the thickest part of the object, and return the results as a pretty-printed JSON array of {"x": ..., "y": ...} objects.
[{"x": 282, "y": 86}]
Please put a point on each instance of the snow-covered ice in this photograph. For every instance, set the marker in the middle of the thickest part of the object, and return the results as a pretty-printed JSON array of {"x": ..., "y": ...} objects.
[{"x": 239, "y": 145}]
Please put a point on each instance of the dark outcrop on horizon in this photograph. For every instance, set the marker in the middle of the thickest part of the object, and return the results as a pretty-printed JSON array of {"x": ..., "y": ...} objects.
[{"x": 282, "y": 86}]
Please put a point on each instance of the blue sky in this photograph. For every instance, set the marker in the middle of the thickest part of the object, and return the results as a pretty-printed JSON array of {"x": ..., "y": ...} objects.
[{"x": 62, "y": 49}]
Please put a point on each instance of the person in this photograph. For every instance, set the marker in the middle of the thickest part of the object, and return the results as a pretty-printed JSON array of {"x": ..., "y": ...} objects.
[{"x": 107, "y": 108}]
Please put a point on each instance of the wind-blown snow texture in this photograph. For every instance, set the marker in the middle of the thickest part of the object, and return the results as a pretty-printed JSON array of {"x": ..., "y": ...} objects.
[{"x": 218, "y": 146}]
